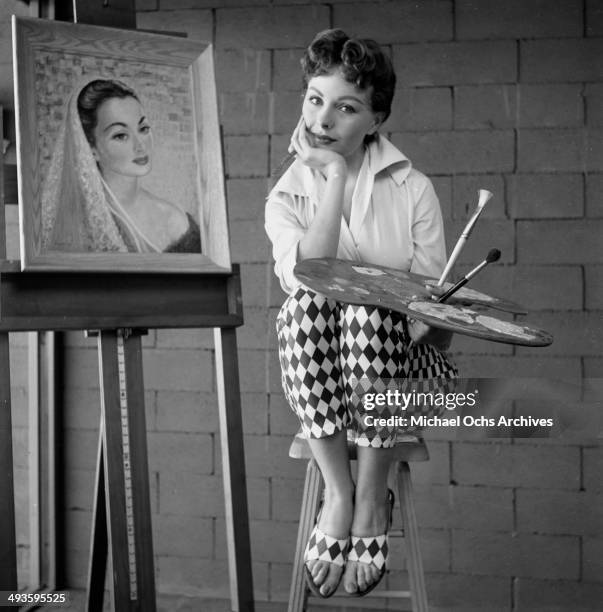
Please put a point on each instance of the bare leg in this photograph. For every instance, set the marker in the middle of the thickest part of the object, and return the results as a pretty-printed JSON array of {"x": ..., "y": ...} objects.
[
  {"x": 331, "y": 455},
  {"x": 371, "y": 511}
]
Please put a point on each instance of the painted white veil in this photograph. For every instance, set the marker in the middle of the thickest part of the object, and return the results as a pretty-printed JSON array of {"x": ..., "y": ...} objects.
[{"x": 76, "y": 215}]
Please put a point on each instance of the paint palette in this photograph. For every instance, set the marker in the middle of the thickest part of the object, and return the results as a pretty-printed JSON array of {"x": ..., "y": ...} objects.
[{"x": 372, "y": 285}]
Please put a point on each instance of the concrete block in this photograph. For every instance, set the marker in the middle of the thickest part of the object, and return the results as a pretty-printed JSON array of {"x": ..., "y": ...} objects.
[
  {"x": 559, "y": 512},
  {"x": 197, "y": 24},
  {"x": 459, "y": 152},
  {"x": 287, "y": 72},
  {"x": 593, "y": 464},
  {"x": 559, "y": 242},
  {"x": 285, "y": 111},
  {"x": 182, "y": 370},
  {"x": 249, "y": 242},
  {"x": 518, "y": 19},
  {"x": 180, "y": 452},
  {"x": 283, "y": 421},
  {"x": 242, "y": 70},
  {"x": 190, "y": 494},
  {"x": 254, "y": 408},
  {"x": 246, "y": 156},
  {"x": 192, "y": 576},
  {"x": 594, "y": 287},
  {"x": 246, "y": 198},
  {"x": 187, "y": 411},
  {"x": 456, "y": 63},
  {"x": 243, "y": 113},
  {"x": 547, "y": 150},
  {"x": 253, "y": 334},
  {"x": 561, "y": 60},
  {"x": 530, "y": 465},
  {"x": 593, "y": 559},
  {"x": 557, "y": 595},
  {"x": 254, "y": 284},
  {"x": 545, "y": 287},
  {"x": 286, "y": 498},
  {"x": 252, "y": 370},
  {"x": 485, "y": 106},
  {"x": 454, "y": 591},
  {"x": 550, "y": 105},
  {"x": 420, "y": 109},
  {"x": 533, "y": 556},
  {"x": 594, "y": 18},
  {"x": 397, "y": 22},
  {"x": 182, "y": 536},
  {"x": 273, "y": 27},
  {"x": 594, "y": 201},
  {"x": 545, "y": 195}
]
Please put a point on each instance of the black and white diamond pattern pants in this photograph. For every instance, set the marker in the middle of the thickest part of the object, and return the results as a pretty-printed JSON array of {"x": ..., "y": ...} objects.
[{"x": 327, "y": 349}]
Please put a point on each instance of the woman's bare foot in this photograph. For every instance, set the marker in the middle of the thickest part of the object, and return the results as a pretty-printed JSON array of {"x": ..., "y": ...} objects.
[
  {"x": 371, "y": 517},
  {"x": 335, "y": 520}
]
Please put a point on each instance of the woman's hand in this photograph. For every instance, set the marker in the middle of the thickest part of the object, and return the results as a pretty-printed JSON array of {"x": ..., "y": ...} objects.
[
  {"x": 328, "y": 162},
  {"x": 421, "y": 333}
]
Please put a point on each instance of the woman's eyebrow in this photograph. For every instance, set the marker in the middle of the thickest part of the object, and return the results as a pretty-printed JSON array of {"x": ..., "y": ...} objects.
[
  {"x": 114, "y": 124},
  {"x": 346, "y": 97}
]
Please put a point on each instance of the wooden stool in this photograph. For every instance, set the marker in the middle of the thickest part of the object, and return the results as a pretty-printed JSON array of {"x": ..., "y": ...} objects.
[{"x": 412, "y": 450}]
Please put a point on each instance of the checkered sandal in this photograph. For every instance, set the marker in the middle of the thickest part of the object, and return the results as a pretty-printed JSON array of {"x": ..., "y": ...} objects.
[
  {"x": 323, "y": 547},
  {"x": 373, "y": 550}
]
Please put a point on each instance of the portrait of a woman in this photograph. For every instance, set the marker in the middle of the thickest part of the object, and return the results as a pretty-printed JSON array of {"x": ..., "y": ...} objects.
[{"x": 92, "y": 197}]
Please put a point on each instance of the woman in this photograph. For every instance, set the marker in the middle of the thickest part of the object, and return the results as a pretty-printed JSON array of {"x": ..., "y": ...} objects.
[
  {"x": 350, "y": 194},
  {"x": 92, "y": 199}
]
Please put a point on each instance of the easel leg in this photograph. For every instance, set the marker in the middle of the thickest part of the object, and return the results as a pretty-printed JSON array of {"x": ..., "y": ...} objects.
[
  {"x": 99, "y": 545},
  {"x": 8, "y": 549},
  {"x": 233, "y": 470},
  {"x": 126, "y": 475}
]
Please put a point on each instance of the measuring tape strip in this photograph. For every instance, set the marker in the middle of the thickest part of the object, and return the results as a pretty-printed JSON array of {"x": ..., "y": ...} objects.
[{"x": 125, "y": 438}]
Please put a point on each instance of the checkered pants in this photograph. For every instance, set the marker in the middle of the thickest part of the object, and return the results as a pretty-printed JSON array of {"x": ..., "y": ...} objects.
[{"x": 332, "y": 353}]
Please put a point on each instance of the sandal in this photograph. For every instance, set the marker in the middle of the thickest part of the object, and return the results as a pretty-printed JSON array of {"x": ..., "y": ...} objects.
[
  {"x": 323, "y": 547},
  {"x": 373, "y": 549}
]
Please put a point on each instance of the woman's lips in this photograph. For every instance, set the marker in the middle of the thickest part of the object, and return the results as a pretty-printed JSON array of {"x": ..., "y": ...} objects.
[
  {"x": 142, "y": 161},
  {"x": 323, "y": 140}
]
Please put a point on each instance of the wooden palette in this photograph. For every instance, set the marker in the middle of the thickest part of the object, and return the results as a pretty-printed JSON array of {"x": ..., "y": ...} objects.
[{"x": 371, "y": 285}]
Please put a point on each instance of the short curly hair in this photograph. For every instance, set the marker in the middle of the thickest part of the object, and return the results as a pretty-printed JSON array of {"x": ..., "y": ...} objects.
[{"x": 360, "y": 60}]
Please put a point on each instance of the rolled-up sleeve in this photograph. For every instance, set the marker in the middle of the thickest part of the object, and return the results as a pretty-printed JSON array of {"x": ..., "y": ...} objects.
[
  {"x": 284, "y": 230},
  {"x": 429, "y": 257}
]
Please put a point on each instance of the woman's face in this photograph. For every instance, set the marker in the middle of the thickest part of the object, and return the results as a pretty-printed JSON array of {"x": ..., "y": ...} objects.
[
  {"x": 122, "y": 137},
  {"x": 338, "y": 115}
]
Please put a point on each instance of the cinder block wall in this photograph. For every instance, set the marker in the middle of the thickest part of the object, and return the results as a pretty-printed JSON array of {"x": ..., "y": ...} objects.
[{"x": 503, "y": 96}]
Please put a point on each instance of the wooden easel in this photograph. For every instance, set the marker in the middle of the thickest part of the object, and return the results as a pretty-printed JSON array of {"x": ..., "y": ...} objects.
[
  {"x": 36, "y": 301},
  {"x": 119, "y": 308}
]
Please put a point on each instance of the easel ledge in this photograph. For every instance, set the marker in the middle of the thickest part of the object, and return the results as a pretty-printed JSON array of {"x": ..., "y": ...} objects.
[{"x": 73, "y": 300}]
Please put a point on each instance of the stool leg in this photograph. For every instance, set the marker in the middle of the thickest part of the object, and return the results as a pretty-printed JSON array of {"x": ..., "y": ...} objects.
[
  {"x": 411, "y": 536},
  {"x": 298, "y": 595}
]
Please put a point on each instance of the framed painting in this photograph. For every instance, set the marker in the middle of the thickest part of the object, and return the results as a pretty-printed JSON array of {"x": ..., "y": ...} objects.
[{"x": 119, "y": 156}]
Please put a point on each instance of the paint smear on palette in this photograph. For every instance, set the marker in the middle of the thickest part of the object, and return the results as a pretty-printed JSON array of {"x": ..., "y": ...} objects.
[
  {"x": 505, "y": 327},
  {"x": 368, "y": 271}
]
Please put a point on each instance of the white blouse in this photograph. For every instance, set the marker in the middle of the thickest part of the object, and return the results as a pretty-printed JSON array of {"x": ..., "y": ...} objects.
[{"x": 395, "y": 218}]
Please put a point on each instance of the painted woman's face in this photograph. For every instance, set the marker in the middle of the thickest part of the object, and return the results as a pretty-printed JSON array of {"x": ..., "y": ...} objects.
[
  {"x": 338, "y": 115},
  {"x": 122, "y": 137}
]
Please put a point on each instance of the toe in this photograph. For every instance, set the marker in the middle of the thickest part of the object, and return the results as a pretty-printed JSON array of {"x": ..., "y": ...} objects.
[
  {"x": 349, "y": 579},
  {"x": 331, "y": 581},
  {"x": 319, "y": 572}
]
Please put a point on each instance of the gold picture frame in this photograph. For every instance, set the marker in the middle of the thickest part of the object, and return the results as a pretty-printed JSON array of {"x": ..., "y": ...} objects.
[{"x": 174, "y": 78}]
